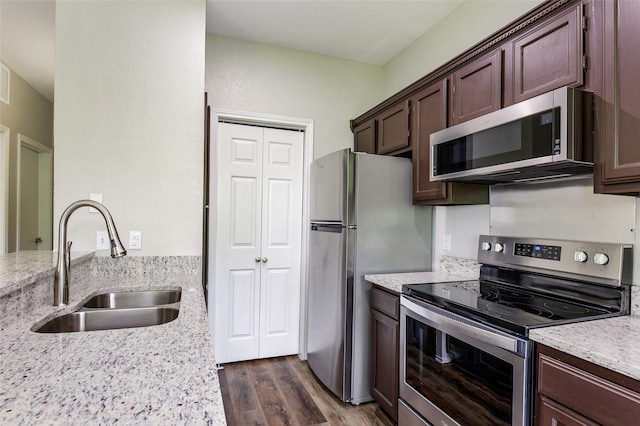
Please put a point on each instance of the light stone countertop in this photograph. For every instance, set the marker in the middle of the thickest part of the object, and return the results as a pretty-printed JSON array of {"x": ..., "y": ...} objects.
[
  {"x": 394, "y": 282},
  {"x": 162, "y": 374},
  {"x": 21, "y": 269},
  {"x": 613, "y": 343}
]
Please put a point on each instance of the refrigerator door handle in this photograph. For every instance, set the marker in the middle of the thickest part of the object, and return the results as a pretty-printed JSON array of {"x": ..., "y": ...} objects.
[{"x": 328, "y": 227}]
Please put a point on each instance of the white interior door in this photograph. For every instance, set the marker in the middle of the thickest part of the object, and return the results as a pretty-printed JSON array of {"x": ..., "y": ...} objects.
[
  {"x": 29, "y": 199},
  {"x": 258, "y": 225},
  {"x": 239, "y": 204},
  {"x": 4, "y": 189},
  {"x": 34, "y": 224},
  {"x": 281, "y": 242}
]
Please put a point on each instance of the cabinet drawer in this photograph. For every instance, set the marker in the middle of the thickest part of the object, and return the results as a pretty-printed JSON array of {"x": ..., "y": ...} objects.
[
  {"x": 552, "y": 413},
  {"x": 594, "y": 397},
  {"x": 387, "y": 303}
]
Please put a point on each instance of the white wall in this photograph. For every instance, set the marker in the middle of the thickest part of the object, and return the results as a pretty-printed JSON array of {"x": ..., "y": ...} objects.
[
  {"x": 566, "y": 209},
  {"x": 129, "y": 120},
  {"x": 468, "y": 24},
  {"x": 463, "y": 225},
  {"x": 251, "y": 77}
]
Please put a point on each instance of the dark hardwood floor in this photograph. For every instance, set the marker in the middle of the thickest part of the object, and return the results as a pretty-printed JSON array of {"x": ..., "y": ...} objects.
[{"x": 284, "y": 391}]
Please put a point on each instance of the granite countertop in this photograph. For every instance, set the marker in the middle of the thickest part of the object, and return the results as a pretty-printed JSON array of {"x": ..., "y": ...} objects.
[
  {"x": 162, "y": 374},
  {"x": 612, "y": 343},
  {"x": 394, "y": 282},
  {"x": 21, "y": 269}
]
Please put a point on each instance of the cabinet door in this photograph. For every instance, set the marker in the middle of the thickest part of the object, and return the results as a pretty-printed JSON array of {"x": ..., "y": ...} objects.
[
  {"x": 620, "y": 109},
  {"x": 385, "y": 333},
  {"x": 429, "y": 112},
  {"x": 549, "y": 57},
  {"x": 393, "y": 128},
  {"x": 364, "y": 137},
  {"x": 477, "y": 88}
]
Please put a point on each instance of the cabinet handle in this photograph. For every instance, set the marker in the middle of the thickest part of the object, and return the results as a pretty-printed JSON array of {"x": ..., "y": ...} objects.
[{"x": 264, "y": 260}]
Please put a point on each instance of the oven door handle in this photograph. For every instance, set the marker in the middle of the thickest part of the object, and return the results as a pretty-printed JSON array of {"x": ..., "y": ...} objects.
[{"x": 462, "y": 326}]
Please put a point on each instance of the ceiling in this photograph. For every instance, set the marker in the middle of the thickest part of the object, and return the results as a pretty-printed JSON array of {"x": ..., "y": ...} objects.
[
  {"x": 27, "y": 41},
  {"x": 371, "y": 32},
  {"x": 365, "y": 31}
]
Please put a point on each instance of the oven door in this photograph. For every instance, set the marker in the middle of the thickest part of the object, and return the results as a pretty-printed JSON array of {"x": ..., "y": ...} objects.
[{"x": 454, "y": 371}]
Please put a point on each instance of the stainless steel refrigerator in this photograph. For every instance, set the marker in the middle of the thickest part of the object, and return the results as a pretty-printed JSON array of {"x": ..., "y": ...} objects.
[{"x": 362, "y": 222}]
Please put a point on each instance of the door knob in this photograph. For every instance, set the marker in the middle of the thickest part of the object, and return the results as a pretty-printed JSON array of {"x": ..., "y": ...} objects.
[
  {"x": 258, "y": 259},
  {"x": 264, "y": 260}
]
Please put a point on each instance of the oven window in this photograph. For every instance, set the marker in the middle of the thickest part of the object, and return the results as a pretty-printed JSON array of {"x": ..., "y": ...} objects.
[{"x": 469, "y": 385}]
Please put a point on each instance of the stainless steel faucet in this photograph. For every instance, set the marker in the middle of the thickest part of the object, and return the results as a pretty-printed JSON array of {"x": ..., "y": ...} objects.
[{"x": 63, "y": 269}]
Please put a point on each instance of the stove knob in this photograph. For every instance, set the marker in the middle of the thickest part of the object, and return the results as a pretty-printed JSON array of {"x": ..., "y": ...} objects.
[
  {"x": 498, "y": 248},
  {"x": 485, "y": 246},
  {"x": 600, "y": 259},
  {"x": 580, "y": 256}
]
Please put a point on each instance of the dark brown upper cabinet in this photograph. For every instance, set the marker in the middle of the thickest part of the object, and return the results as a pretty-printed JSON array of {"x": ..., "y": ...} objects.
[
  {"x": 364, "y": 137},
  {"x": 618, "y": 111},
  {"x": 558, "y": 43},
  {"x": 476, "y": 88},
  {"x": 393, "y": 128},
  {"x": 428, "y": 115},
  {"x": 548, "y": 56}
]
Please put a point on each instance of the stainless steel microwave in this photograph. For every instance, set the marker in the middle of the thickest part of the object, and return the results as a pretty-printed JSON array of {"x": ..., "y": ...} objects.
[{"x": 548, "y": 136}]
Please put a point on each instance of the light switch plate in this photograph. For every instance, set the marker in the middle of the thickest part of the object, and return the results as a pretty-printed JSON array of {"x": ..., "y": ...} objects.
[{"x": 446, "y": 242}]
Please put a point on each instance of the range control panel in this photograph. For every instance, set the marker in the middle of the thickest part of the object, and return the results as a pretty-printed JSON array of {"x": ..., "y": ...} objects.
[
  {"x": 538, "y": 250},
  {"x": 603, "y": 263}
]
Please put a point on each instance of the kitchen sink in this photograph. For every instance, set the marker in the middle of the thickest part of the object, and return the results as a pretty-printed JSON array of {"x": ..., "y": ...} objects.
[
  {"x": 133, "y": 299},
  {"x": 109, "y": 319},
  {"x": 118, "y": 309}
]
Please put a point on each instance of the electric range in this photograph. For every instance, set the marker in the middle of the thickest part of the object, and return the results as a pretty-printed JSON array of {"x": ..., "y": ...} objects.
[{"x": 465, "y": 353}]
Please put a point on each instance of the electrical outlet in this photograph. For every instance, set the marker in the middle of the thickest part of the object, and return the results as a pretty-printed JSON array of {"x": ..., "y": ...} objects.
[
  {"x": 135, "y": 240},
  {"x": 446, "y": 242},
  {"x": 102, "y": 240}
]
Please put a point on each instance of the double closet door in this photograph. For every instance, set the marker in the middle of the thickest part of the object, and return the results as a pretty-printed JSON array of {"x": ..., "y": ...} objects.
[{"x": 257, "y": 242}]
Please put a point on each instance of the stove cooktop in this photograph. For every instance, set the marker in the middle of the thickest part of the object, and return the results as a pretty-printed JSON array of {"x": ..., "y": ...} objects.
[
  {"x": 527, "y": 283},
  {"x": 515, "y": 309}
]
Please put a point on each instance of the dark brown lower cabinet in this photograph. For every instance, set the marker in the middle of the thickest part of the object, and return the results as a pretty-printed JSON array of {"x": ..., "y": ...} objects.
[
  {"x": 552, "y": 413},
  {"x": 385, "y": 341},
  {"x": 571, "y": 391}
]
